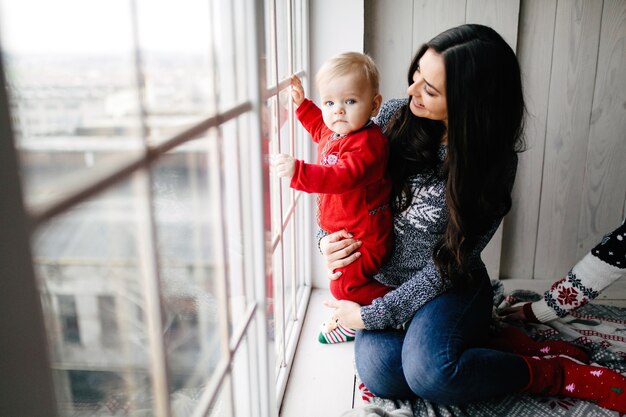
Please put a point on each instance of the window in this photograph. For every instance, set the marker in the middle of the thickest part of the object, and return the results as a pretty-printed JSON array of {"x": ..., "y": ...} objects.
[
  {"x": 142, "y": 128},
  {"x": 107, "y": 313},
  {"x": 69, "y": 319}
]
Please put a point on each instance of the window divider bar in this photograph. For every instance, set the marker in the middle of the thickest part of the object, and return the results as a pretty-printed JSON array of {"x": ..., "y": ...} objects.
[
  {"x": 217, "y": 174},
  {"x": 294, "y": 262},
  {"x": 221, "y": 274},
  {"x": 148, "y": 238},
  {"x": 275, "y": 89},
  {"x": 292, "y": 194},
  {"x": 279, "y": 300},
  {"x": 193, "y": 132},
  {"x": 150, "y": 281},
  {"x": 208, "y": 397},
  {"x": 260, "y": 190},
  {"x": 239, "y": 333},
  {"x": 278, "y": 238},
  {"x": 41, "y": 215}
]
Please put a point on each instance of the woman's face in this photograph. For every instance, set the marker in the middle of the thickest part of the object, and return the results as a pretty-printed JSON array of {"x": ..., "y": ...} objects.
[{"x": 428, "y": 91}]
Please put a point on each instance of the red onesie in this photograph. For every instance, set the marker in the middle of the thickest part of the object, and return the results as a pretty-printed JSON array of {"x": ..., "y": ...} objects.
[{"x": 354, "y": 189}]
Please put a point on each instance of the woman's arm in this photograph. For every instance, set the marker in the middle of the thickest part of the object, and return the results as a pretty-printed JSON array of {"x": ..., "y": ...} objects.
[{"x": 400, "y": 305}]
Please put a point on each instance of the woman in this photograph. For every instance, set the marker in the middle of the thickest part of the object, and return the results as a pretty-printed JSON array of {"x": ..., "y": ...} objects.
[{"x": 453, "y": 148}]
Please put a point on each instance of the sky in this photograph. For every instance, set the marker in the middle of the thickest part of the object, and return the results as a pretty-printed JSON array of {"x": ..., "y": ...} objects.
[{"x": 102, "y": 26}]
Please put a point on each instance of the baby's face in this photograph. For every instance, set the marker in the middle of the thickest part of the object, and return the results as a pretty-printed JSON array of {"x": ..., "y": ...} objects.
[{"x": 348, "y": 103}]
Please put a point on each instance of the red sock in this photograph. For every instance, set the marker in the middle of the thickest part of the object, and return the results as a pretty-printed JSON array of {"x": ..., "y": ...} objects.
[
  {"x": 512, "y": 339},
  {"x": 366, "y": 395},
  {"x": 562, "y": 376}
]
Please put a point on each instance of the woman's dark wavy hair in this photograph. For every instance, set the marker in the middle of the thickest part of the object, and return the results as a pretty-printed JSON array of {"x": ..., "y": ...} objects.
[{"x": 485, "y": 131}]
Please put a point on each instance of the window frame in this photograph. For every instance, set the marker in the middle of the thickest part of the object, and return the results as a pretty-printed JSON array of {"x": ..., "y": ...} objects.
[{"x": 27, "y": 221}]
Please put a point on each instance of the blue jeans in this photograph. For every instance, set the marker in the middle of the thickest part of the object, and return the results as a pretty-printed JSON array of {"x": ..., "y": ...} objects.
[{"x": 439, "y": 357}]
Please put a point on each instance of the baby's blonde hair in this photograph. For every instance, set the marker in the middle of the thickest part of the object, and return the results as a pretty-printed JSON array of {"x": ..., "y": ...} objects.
[{"x": 354, "y": 63}]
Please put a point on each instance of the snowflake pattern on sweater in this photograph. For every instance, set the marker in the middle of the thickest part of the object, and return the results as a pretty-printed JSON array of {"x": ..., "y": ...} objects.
[
  {"x": 411, "y": 268},
  {"x": 568, "y": 292},
  {"x": 425, "y": 210}
]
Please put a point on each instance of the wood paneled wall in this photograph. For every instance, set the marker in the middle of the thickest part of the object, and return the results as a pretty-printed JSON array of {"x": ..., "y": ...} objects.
[{"x": 571, "y": 182}]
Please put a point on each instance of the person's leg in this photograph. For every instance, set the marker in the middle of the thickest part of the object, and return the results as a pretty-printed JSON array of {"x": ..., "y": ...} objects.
[
  {"x": 514, "y": 340},
  {"x": 378, "y": 356},
  {"x": 440, "y": 360},
  {"x": 355, "y": 284},
  {"x": 562, "y": 376}
]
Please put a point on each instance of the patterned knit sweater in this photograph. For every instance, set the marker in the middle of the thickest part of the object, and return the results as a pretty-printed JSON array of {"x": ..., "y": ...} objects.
[{"x": 411, "y": 268}]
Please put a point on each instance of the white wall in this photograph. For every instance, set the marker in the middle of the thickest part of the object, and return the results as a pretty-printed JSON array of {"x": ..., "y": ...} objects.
[{"x": 335, "y": 27}]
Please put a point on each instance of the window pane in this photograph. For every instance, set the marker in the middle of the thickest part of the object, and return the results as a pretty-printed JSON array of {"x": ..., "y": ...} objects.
[
  {"x": 177, "y": 64},
  {"x": 233, "y": 173},
  {"x": 188, "y": 232},
  {"x": 243, "y": 377},
  {"x": 250, "y": 205},
  {"x": 224, "y": 43},
  {"x": 289, "y": 245},
  {"x": 89, "y": 265},
  {"x": 300, "y": 43},
  {"x": 72, "y": 90},
  {"x": 270, "y": 66},
  {"x": 282, "y": 19},
  {"x": 286, "y": 142},
  {"x": 245, "y": 41}
]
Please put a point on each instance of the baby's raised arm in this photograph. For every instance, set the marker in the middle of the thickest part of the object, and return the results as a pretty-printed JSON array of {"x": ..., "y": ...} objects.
[{"x": 297, "y": 91}]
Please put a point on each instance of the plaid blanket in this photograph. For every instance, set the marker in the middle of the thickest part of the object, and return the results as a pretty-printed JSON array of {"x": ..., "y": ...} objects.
[{"x": 600, "y": 329}]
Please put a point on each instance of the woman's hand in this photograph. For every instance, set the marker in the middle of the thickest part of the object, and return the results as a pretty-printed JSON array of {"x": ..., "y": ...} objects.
[
  {"x": 347, "y": 313},
  {"x": 339, "y": 250}
]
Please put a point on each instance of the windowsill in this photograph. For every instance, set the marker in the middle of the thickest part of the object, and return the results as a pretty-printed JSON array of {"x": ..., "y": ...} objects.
[{"x": 321, "y": 382}]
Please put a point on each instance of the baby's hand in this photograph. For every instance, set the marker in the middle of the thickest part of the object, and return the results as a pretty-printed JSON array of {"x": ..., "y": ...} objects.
[
  {"x": 297, "y": 91},
  {"x": 284, "y": 165}
]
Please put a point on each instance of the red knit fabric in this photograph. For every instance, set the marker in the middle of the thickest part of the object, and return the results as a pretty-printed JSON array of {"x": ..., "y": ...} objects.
[
  {"x": 563, "y": 376},
  {"x": 351, "y": 178},
  {"x": 529, "y": 313},
  {"x": 512, "y": 339}
]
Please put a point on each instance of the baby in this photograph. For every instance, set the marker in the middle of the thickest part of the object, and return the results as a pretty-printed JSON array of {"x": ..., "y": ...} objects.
[{"x": 350, "y": 175}]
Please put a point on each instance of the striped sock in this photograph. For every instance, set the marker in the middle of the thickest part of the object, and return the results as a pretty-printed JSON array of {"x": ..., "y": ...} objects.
[
  {"x": 366, "y": 395},
  {"x": 337, "y": 335}
]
